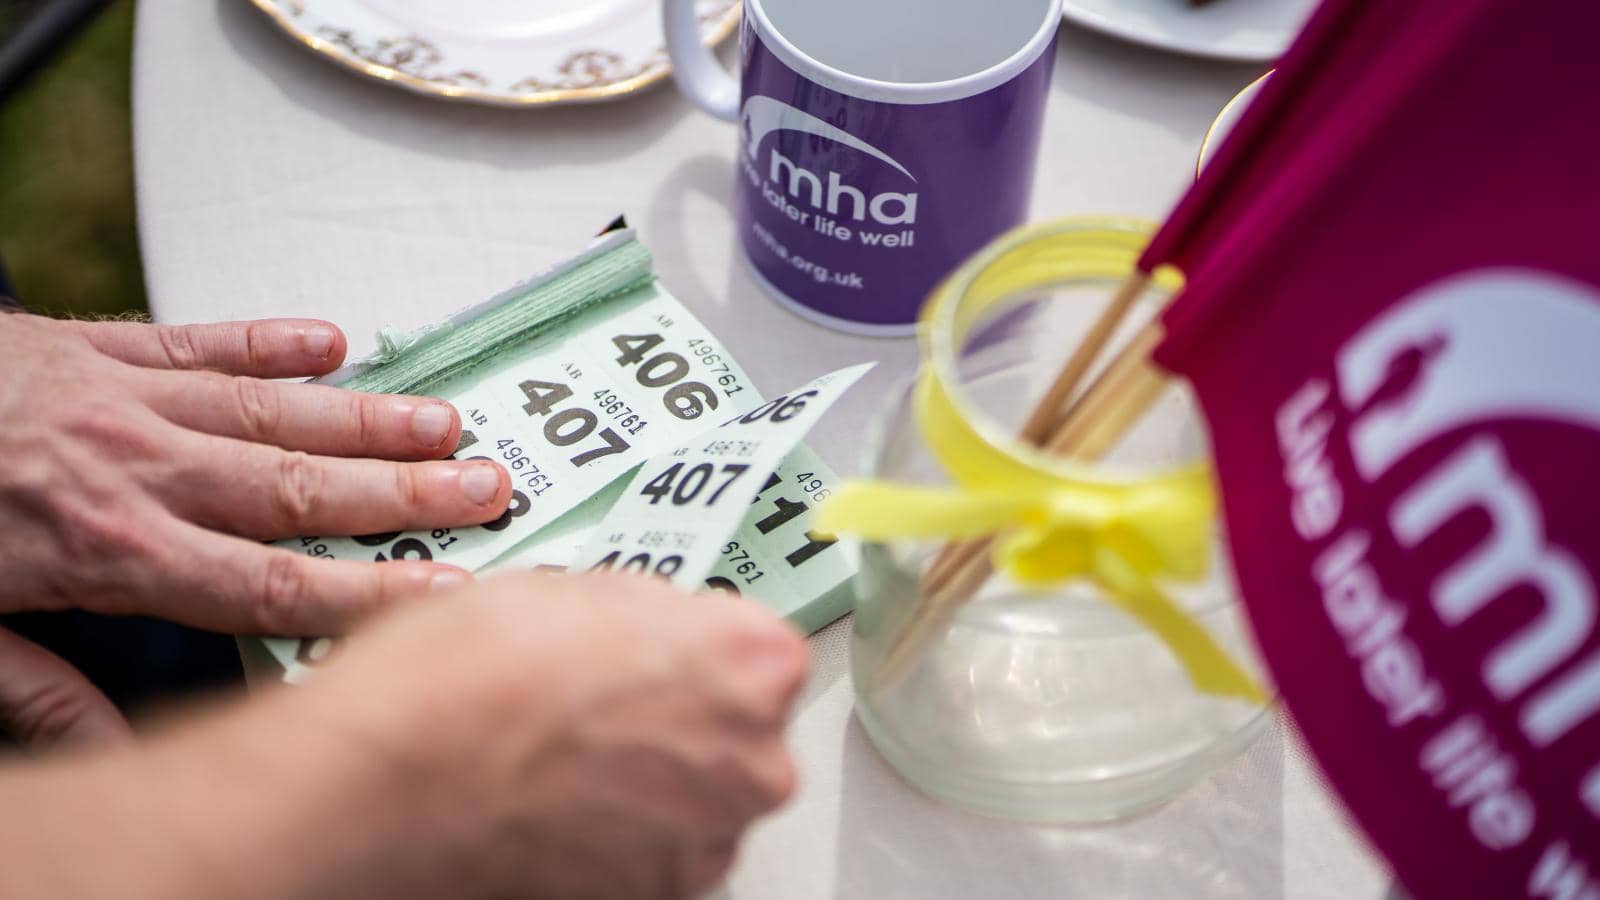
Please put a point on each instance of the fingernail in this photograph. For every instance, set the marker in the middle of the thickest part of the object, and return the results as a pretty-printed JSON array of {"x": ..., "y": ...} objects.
[
  {"x": 318, "y": 650},
  {"x": 430, "y": 424},
  {"x": 317, "y": 341},
  {"x": 448, "y": 579},
  {"x": 480, "y": 484}
]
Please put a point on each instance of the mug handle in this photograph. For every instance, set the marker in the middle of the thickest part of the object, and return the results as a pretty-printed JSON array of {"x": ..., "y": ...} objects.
[{"x": 695, "y": 68}]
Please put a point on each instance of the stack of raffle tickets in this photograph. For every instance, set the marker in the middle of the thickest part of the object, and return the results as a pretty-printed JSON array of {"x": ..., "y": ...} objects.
[
  {"x": 1391, "y": 318},
  {"x": 577, "y": 378}
]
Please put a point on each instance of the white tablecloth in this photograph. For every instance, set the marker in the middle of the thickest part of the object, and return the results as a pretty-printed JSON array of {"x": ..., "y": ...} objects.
[{"x": 271, "y": 184}]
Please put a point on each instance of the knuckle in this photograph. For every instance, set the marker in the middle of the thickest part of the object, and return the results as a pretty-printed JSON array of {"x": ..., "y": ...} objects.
[
  {"x": 384, "y": 586},
  {"x": 408, "y": 488},
  {"x": 260, "y": 407},
  {"x": 109, "y": 429},
  {"x": 180, "y": 347},
  {"x": 280, "y": 593},
  {"x": 299, "y": 488},
  {"x": 49, "y": 711},
  {"x": 257, "y": 345},
  {"x": 368, "y": 419},
  {"x": 97, "y": 529}
]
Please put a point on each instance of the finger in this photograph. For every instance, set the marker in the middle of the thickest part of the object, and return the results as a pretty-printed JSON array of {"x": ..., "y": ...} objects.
[
  {"x": 270, "y": 348},
  {"x": 45, "y": 703},
  {"x": 262, "y": 492},
  {"x": 769, "y": 659},
  {"x": 772, "y": 773},
  {"x": 310, "y": 417},
  {"x": 234, "y": 585},
  {"x": 707, "y": 866}
]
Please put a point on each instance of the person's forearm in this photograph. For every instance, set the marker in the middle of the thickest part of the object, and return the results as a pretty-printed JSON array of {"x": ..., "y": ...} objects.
[
  {"x": 78, "y": 828},
  {"x": 253, "y": 803}
]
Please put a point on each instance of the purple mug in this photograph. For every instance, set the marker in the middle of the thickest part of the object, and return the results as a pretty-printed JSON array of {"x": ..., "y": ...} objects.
[{"x": 882, "y": 142}]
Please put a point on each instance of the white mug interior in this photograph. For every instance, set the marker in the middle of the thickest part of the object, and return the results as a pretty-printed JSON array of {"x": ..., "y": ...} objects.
[{"x": 911, "y": 42}]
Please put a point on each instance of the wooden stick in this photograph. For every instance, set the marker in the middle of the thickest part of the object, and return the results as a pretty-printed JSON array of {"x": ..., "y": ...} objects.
[
  {"x": 1117, "y": 399},
  {"x": 1088, "y": 432},
  {"x": 951, "y": 557},
  {"x": 1121, "y": 396},
  {"x": 1051, "y": 409},
  {"x": 1053, "y": 406}
]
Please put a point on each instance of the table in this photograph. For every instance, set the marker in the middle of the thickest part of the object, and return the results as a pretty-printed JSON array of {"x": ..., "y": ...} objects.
[{"x": 271, "y": 184}]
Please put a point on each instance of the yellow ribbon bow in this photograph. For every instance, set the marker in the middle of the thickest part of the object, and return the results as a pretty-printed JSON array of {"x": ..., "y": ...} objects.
[{"x": 1055, "y": 521}]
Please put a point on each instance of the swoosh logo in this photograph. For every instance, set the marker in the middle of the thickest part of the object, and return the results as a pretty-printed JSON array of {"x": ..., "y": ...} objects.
[
  {"x": 763, "y": 116},
  {"x": 1503, "y": 344}
]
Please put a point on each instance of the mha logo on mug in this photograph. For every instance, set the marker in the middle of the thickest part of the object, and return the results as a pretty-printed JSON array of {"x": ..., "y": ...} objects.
[{"x": 824, "y": 193}]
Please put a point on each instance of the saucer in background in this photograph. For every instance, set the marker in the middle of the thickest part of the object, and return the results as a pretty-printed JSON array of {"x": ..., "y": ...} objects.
[{"x": 498, "y": 52}]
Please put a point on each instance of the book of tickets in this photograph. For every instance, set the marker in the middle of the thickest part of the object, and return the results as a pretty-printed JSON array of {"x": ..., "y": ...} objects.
[{"x": 634, "y": 440}]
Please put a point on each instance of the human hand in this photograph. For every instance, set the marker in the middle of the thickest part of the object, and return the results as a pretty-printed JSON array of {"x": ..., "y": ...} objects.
[
  {"x": 538, "y": 736},
  {"x": 144, "y": 463}
]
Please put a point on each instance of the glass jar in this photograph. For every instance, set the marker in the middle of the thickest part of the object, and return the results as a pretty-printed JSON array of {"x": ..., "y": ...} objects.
[{"x": 1047, "y": 705}]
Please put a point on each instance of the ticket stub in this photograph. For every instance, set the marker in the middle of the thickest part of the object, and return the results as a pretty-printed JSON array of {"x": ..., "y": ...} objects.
[
  {"x": 297, "y": 656},
  {"x": 776, "y": 558},
  {"x": 568, "y": 416},
  {"x": 556, "y": 545},
  {"x": 677, "y": 512}
]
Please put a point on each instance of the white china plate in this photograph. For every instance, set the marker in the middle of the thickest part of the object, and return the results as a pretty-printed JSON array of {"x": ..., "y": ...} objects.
[
  {"x": 1244, "y": 30},
  {"x": 499, "y": 52},
  {"x": 1222, "y": 126}
]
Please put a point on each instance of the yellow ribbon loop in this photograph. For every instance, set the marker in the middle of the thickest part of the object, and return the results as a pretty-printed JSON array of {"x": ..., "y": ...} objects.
[
  {"x": 1055, "y": 521},
  {"x": 1161, "y": 528}
]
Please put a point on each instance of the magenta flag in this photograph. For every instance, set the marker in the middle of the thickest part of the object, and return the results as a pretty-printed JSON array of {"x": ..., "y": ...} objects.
[
  {"x": 1345, "y": 44},
  {"x": 1393, "y": 325}
]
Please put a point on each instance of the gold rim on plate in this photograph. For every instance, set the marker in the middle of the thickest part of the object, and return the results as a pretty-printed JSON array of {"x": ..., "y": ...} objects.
[{"x": 466, "y": 85}]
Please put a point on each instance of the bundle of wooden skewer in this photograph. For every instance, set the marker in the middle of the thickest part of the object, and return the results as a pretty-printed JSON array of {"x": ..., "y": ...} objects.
[{"x": 1071, "y": 421}]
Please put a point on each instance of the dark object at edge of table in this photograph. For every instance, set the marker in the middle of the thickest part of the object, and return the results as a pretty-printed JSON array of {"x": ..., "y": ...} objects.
[{"x": 42, "y": 32}]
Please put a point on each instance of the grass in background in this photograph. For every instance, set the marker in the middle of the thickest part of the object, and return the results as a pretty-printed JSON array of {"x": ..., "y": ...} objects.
[{"x": 67, "y": 226}]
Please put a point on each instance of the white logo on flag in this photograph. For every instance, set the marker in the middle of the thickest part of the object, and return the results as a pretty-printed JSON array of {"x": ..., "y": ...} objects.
[{"x": 1546, "y": 326}]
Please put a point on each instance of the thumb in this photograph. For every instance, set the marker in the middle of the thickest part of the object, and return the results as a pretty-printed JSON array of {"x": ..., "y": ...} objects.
[{"x": 45, "y": 703}]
